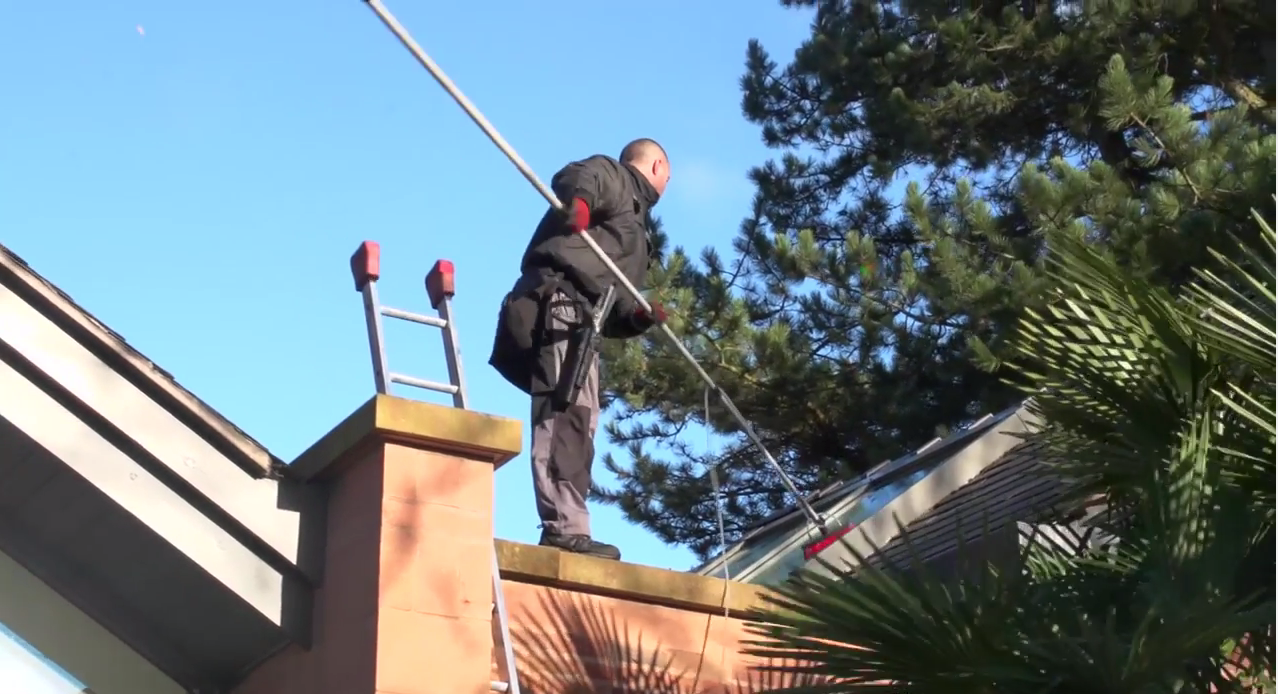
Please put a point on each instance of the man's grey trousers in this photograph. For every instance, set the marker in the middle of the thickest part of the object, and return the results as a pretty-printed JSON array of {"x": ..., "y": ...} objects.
[{"x": 563, "y": 442}]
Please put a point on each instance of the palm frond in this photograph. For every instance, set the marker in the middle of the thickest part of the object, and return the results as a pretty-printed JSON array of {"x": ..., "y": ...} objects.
[
  {"x": 887, "y": 628},
  {"x": 1233, "y": 312},
  {"x": 1235, "y": 307}
]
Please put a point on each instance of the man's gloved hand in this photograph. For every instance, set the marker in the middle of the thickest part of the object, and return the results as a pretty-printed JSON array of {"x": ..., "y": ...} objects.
[
  {"x": 643, "y": 320},
  {"x": 577, "y": 215}
]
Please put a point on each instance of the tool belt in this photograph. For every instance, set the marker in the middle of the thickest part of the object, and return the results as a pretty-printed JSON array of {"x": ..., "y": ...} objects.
[
  {"x": 524, "y": 329},
  {"x": 583, "y": 345}
]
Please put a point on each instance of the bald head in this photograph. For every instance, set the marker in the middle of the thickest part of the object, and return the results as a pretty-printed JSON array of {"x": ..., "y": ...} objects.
[
  {"x": 649, "y": 158},
  {"x": 641, "y": 150}
]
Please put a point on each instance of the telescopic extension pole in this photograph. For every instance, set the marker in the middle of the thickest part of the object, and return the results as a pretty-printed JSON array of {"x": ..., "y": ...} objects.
[{"x": 471, "y": 110}]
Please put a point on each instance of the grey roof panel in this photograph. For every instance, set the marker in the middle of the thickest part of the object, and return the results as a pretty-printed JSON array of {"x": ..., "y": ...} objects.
[
  {"x": 785, "y": 532},
  {"x": 960, "y": 462},
  {"x": 247, "y": 452},
  {"x": 1015, "y": 488}
]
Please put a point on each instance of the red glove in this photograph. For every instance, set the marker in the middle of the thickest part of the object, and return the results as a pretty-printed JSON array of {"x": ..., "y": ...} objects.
[
  {"x": 658, "y": 312},
  {"x": 578, "y": 214},
  {"x": 643, "y": 320}
]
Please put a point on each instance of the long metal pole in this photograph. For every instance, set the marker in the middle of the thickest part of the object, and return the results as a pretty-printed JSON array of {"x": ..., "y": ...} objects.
[{"x": 471, "y": 110}]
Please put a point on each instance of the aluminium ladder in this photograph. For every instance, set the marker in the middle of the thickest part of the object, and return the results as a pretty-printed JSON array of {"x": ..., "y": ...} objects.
[{"x": 366, "y": 270}]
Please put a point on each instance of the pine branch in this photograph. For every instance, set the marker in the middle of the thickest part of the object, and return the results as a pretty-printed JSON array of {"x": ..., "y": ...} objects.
[{"x": 1167, "y": 153}]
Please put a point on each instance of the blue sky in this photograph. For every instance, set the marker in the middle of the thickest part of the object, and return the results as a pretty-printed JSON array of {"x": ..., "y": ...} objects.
[
  {"x": 23, "y": 669},
  {"x": 197, "y": 175}
]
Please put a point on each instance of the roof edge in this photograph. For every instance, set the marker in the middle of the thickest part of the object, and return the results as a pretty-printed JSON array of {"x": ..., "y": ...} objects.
[{"x": 48, "y": 299}]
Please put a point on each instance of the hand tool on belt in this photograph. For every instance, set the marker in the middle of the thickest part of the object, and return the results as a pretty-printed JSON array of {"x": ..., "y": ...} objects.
[{"x": 583, "y": 345}]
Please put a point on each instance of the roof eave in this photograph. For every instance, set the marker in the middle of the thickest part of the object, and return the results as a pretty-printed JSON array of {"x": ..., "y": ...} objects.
[{"x": 233, "y": 442}]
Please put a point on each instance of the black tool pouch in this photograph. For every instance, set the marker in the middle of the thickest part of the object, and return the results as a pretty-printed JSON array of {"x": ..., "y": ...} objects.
[
  {"x": 522, "y": 330},
  {"x": 583, "y": 344}
]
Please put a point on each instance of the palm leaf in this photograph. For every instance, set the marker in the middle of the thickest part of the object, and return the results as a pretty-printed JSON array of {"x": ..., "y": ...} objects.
[
  {"x": 1235, "y": 307},
  {"x": 1234, "y": 311},
  {"x": 892, "y": 629},
  {"x": 884, "y": 629},
  {"x": 1112, "y": 360}
]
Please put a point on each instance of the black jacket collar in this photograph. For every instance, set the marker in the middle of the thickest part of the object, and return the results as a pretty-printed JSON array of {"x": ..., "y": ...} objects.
[{"x": 648, "y": 195}]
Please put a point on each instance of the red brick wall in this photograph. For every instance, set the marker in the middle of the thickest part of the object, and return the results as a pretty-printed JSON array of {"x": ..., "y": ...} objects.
[
  {"x": 404, "y": 607},
  {"x": 569, "y": 642}
]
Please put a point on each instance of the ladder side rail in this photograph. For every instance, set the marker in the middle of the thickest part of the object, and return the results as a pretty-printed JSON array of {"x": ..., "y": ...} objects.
[
  {"x": 441, "y": 288},
  {"x": 503, "y": 622},
  {"x": 376, "y": 339},
  {"x": 366, "y": 270}
]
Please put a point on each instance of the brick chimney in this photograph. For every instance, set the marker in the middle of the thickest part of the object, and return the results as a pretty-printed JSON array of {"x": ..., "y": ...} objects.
[{"x": 405, "y": 605}]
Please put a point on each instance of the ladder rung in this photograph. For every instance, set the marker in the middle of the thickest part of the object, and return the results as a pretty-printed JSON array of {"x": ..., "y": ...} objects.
[
  {"x": 498, "y": 687},
  {"x": 413, "y": 317},
  {"x": 423, "y": 383}
]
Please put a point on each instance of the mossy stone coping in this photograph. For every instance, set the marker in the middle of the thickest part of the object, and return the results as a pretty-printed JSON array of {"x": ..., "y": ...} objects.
[
  {"x": 686, "y": 591},
  {"x": 414, "y": 423}
]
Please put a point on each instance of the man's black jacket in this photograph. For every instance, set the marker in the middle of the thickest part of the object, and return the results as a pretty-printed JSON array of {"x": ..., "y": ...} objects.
[{"x": 619, "y": 198}]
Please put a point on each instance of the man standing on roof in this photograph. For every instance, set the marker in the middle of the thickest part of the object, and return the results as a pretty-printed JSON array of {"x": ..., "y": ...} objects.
[{"x": 562, "y": 282}]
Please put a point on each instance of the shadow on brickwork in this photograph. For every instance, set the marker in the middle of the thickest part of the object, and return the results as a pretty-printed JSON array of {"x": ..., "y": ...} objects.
[{"x": 575, "y": 646}]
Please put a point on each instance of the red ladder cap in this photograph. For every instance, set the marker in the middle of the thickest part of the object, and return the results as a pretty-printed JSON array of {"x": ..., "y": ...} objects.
[
  {"x": 366, "y": 264},
  {"x": 440, "y": 283}
]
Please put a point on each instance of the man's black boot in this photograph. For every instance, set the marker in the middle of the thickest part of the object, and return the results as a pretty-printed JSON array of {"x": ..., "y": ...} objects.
[{"x": 579, "y": 544}]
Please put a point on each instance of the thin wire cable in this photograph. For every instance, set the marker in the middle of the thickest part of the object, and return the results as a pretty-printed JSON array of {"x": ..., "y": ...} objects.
[
  {"x": 723, "y": 552},
  {"x": 473, "y": 112},
  {"x": 718, "y": 510},
  {"x": 717, "y": 491}
]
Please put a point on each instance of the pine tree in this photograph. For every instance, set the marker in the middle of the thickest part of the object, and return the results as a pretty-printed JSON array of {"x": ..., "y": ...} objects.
[{"x": 853, "y": 321}]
